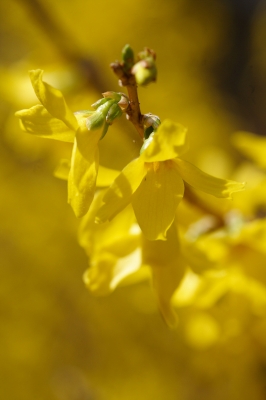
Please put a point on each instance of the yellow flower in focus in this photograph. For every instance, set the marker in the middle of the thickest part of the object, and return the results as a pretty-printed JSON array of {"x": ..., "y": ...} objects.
[
  {"x": 154, "y": 182},
  {"x": 53, "y": 119}
]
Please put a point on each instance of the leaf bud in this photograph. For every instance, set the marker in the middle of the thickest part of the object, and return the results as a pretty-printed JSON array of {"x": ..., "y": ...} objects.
[{"x": 127, "y": 57}]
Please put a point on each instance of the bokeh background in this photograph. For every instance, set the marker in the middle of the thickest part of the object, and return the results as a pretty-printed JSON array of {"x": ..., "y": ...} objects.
[{"x": 57, "y": 342}]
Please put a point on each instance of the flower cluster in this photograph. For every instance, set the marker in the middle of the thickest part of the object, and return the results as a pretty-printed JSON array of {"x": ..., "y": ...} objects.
[{"x": 130, "y": 228}]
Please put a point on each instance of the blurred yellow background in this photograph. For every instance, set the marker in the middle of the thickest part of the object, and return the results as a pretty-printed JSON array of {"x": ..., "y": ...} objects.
[{"x": 57, "y": 341}]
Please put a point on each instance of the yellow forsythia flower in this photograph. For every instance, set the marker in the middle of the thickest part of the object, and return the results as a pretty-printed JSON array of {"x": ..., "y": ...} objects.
[
  {"x": 53, "y": 119},
  {"x": 154, "y": 182}
]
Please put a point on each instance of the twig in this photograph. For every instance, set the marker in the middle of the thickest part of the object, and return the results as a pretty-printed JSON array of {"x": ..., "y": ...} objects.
[{"x": 133, "y": 112}]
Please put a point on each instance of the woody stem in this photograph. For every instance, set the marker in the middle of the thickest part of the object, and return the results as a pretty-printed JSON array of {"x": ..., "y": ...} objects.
[{"x": 133, "y": 111}]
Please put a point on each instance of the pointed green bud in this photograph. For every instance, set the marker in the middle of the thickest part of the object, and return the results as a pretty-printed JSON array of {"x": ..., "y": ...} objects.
[
  {"x": 127, "y": 57},
  {"x": 113, "y": 113},
  {"x": 99, "y": 103},
  {"x": 145, "y": 71},
  {"x": 96, "y": 120},
  {"x": 105, "y": 129}
]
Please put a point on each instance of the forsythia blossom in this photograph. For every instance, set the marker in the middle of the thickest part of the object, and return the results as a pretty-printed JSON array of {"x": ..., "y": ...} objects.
[
  {"x": 154, "y": 182},
  {"x": 53, "y": 119}
]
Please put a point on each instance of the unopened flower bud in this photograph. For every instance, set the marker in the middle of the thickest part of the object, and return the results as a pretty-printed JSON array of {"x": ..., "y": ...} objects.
[
  {"x": 97, "y": 119},
  {"x": 99, "y": 103},
  {"x": 151, "y": 120},
  {"x": 145, "y": 71},
  {"x": 113, "y": 113},
  {"x": 151, "y": 123}
]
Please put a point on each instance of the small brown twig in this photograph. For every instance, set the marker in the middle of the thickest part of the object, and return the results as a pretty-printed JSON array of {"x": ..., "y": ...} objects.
[{"x": 128, "y": 80}]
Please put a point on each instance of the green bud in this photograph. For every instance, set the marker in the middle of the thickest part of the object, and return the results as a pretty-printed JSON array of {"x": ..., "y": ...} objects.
[
  {"x": 96, "y": 120},
  {"x": 145, "y": 71},
  {"x": 151, "y": 120},
  {"x": 99, "y": 103},
  {"x": 113, "y": 113},
  {"x": 105, "y": 129},
  {"x": 127, "y": 57}
]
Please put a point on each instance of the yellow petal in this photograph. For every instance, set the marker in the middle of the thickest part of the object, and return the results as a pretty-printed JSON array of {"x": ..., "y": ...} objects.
[
  {"x": 52, "y": 99},
  {"x": 106, "y": 176},
  {"x": 120, "y": 192},
  {"x": 205, "y": 182},
  {"x": 38, "y": 121},
  {"x": 156, "y": 199},
  {"x": 82, "y": 179},
  {"x": 168, "y": 268},
  {"x": 168, "y": 142}
]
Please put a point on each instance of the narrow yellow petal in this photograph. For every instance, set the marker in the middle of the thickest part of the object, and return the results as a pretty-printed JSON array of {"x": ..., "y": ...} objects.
[
  {"x": 156, "y": 199},
  {"x": 119, "y": 194},
  {"x": 52, "y": 99},
  {"x": 38, "y": 121},
  {"x": 168, "y": 268},
  {"x": 168, "y": 142},
  {"x": 82, "y": 179},
  {"x": 205, "y": 182}
]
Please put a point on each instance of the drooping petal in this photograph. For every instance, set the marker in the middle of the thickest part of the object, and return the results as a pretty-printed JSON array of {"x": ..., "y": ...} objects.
[
  {"x": 168, "y": 142},
  {"x": 38, "y": 121},
  {"x": 205, "y": 182},
  {"x": 52, "y": 99},
  {"x": 168, "y": 268},
  {"x": 156, "y": 199},
  {"x": 120, "y": 192},
  {"x": 82, "y": 180}
]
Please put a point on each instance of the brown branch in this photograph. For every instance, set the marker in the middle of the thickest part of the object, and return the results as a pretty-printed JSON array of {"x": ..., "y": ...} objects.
[{"x": 133, "y": 111}]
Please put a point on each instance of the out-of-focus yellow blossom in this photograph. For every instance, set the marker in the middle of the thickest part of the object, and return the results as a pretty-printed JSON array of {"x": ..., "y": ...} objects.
[
  {"x": 239, "y": 246},
  {"x": 153, "y": 183},
  {"x": 252, "y": 146},
  {"x": 53, "y": 119}
]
